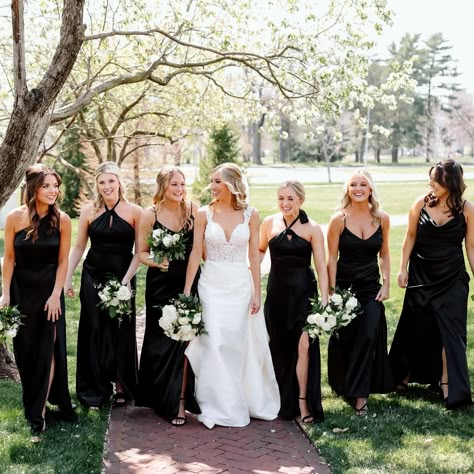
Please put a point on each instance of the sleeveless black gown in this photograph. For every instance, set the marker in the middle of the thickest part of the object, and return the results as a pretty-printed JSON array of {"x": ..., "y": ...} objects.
[
  {"x": 357, "y": 358},
  {"x": 32, "y": 283},
  {"x": 106, "y": 351},
  {"x": 434, "y": 310},
  {"x": 162, "y": 358},
  {"x": 291, "y": 283}
]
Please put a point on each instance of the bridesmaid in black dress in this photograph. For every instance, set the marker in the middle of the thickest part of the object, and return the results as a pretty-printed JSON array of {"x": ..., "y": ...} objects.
[
  {"x": 166, "y": 382},
  {"x": 429, "y": 346},
  {"x": 106, "y": 350},
  {"x": 292, "y": 239},
  {"x": 37, "y": 242},
  {"x": 358, "y": 245}
]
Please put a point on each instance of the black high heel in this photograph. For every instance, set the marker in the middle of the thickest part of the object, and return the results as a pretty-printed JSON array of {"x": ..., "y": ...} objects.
[
  {"x": 179, "y": 420},
  {"x": 440, "y": 384},
  {"x": 308, "y": 418}
]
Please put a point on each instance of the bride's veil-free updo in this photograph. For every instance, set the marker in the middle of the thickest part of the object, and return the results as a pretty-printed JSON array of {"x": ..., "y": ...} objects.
[{"x": 235, "y": 181}]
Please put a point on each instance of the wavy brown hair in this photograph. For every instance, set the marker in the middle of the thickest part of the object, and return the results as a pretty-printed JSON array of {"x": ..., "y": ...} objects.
[
  {"x": 163, "y": 179},
  {"x": 450, "y": 175},
  {"x": 234, "y": 179},
  {"x": 374, "y": 203},
  {"x": 35, "y": 176}
]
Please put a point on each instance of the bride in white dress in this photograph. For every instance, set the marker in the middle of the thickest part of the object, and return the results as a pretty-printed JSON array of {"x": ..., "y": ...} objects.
[{"x": 232, "y": 364}]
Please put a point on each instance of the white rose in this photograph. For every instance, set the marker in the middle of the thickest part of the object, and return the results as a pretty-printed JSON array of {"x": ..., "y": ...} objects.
[
  {"x": 351, "y": 303},
  {"x": 175, "y": 337},
  {"x": 114, "y": 302},
  {"x": 157, "y": 233},
  {"x": 182, "y": 320},
  {"x": 319, "y": 319},
  {"x": 176, "y": 238},
  {"x": 11, "y": 332},
  {"x": 326, "y": 327},
  {"x": 167, "y": 241},
  {"x": 336, "y": 298},
  {"x": 1, "y": 325},
  {"x": 332, "y": 320},
  {"x": 124, "y": 294},
  {"x": 197, "y": 318},
  {"x": 168, "y": 318},
  {"x": 103, "y": 297}
]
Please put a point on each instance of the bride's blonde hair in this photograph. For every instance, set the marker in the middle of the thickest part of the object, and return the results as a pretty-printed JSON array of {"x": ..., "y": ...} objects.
[{"x": 234, "y": 179}]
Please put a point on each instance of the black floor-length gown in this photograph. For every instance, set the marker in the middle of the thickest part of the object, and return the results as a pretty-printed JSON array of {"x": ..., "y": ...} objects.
[
  {"x": 106, "y": 350},
  {"x": 357, "y": 358},
  {"x": 291, "y": 283},
  {"x": 162, "y": 358},
  {"x": 434, "y": 310},
  {"x": 32, "y": 283}
]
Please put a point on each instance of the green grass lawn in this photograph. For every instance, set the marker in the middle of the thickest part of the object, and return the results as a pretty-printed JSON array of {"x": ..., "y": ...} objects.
[{"x": 403, "y": 434}]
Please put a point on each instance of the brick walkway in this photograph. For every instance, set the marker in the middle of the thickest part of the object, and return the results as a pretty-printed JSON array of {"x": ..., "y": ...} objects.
[{"x": 141, "y": 442}]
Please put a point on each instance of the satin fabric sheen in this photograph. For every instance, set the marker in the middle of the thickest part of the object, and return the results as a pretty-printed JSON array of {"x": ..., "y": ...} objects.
[
  {"x": 32, "y": 283},
  {"x": 106, "y": 351},
  {"x": 357, "y": 357},
  {"x": 291, "y": 283},
  {"x": 162, "y": 358},
  {"x": 434, "y": 313}
]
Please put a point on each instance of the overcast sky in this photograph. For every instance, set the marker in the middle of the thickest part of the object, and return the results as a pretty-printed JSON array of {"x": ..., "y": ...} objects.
[{"x": 453, "y": 18}]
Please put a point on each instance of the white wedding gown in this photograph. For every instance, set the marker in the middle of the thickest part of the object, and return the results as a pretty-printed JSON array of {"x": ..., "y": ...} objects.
[{"x": 234, "y": 373}]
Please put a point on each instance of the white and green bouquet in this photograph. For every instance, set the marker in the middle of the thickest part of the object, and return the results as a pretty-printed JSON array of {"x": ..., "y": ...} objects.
[
  {"x": 10, "y": 322},
  {"x": 115, "y": 298},
  {"x": 340, "y": 310},
  {"x": 166, "y": 245},
  {"x": 182, "y": 320}
]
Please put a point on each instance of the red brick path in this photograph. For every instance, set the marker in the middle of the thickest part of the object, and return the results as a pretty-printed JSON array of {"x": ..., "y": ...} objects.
[{"x": 141, "y": 442}]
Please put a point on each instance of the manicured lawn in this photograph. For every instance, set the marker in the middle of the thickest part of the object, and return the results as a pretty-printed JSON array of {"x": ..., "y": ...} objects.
[{"x": 403, "y": 434}]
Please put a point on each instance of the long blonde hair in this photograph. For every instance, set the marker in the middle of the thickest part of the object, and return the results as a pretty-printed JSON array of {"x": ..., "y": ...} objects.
[
  {"x": 374, "y": 204},
  {"x": 35, "y": 175},
  {"x": 108, "y": 167},
  {"x": 235, "y": 181},
  {"x": 163, "y": 179}
]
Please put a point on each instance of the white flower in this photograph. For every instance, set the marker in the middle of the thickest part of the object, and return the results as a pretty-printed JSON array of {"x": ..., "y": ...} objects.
[
  {"x": 168, "y": 318},
  {"x": 182, "y": 320},
  {"x": 157, "y": 233},
  {"x": 124, "y": 294},
  {"x": 167, "y": 241},
  {"x": 175, "y": 337},
  {"x": 311, "y": 319},
  {"x": 103, "y": 297},
  {"x": 319, "y": 319},
  {"x": 197, "y": 318},
  {"x": 114, "y": 302},
  {"x": 186, "y": 332},
  {"x": 176, "y": 238},
  {"x": 326, "y": 327},
  {"x": 336, "y": 298},
  {"x": 11, "y": 332},
  {"x": 332, "y": 320},
  {"x": 351, "y": 303},
  {"x": 1, "y": 325}
]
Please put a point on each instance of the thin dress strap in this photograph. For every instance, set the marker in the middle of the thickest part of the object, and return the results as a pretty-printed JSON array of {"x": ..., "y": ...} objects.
[{"x": 113, "y": 208}]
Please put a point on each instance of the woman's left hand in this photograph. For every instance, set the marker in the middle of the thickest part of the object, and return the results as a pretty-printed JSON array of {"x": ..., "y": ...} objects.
[
  {"x": 53, "y": 308},
  {"x": 254, "y": 305},
  {"x": 383, "y": 294}
]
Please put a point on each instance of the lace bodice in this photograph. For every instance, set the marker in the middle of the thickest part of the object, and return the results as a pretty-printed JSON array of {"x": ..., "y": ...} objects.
[{"x": 218, "y": 248}]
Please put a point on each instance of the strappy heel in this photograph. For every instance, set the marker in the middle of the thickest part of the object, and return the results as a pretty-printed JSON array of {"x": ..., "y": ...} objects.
[
  {"x": 307, "y": 419},
  {"x": 362, "y": 411},
  {"x": 179, "y": 420}
]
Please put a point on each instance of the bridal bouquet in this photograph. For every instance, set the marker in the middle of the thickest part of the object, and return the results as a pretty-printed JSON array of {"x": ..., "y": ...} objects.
[
  {"x": 182, "y": 320},
  {"x": 340, "y": 310},
  {"x": 115, "y": 298},
  {"x": 163, "y": 244},
  {"x": 10, "y": 321}
]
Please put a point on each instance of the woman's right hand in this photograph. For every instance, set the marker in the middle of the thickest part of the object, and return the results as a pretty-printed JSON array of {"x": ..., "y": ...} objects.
[
  {"x": 69, "y": 289},
  {"x": 402, "y": 278},
  {"x": 4, "y": 301}
]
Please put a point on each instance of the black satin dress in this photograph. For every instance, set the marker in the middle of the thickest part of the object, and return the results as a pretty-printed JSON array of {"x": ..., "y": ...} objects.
[
  {"x": 291, "y": 283},
  {"x": 162, "y": 358},
  {"x": 357, "y": 358},
  {"x": 434, "y": 310},
  {"x": 32, "y": 283},
  {"x": 106, "y": 351}
]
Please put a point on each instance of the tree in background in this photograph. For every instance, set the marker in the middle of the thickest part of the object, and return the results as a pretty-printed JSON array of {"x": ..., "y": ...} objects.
[
  {"x": 71, "y": 181},
  {"x": 223, "y": 147}
]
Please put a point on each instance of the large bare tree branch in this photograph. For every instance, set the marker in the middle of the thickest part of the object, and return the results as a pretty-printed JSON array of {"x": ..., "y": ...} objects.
[{"x": 19, "y": 67}]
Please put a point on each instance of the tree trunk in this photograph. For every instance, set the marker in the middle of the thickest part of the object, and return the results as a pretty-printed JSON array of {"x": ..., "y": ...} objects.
[
  {"x": 377, "y": 154},
  {"x": 256, "y": 144},
  {"x": 284, "y": 142},
  {"x": 394, "y": 154},
  {"x": 136, "y": 179},
  {"x": 30, "y": 117}
]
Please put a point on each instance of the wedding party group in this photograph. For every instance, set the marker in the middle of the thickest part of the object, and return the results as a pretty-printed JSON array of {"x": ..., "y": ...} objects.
[{"x": 211, "y": 347}]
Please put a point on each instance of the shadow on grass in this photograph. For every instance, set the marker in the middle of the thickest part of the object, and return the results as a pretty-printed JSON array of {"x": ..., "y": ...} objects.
[{"x": 403, "y": 433}]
